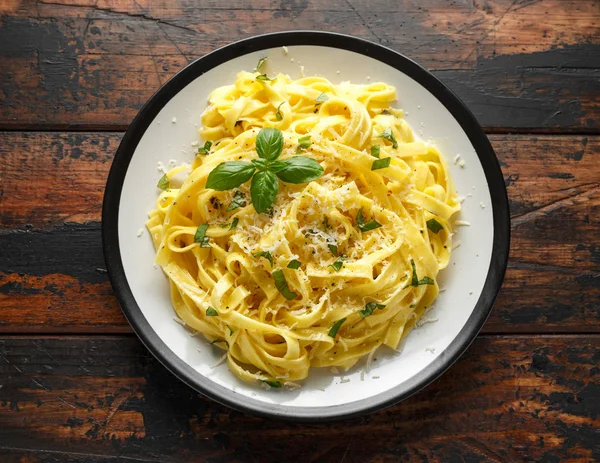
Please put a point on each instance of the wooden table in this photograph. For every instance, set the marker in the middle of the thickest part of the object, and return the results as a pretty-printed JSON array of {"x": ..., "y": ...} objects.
[{"x": 75, "y": 383}]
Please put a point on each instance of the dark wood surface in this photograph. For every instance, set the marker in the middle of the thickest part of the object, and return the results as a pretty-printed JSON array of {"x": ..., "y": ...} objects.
[{"x": 76, "y": 385}]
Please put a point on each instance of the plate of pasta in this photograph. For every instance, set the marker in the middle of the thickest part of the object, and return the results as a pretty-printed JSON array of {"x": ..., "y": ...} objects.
[{"x": 306, "y": 225}]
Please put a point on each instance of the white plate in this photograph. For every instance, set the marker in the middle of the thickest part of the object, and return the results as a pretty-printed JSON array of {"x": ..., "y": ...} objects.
[{"x": 165, "y": 131}]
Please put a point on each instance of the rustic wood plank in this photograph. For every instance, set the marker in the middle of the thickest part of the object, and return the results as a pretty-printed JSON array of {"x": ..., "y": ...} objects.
[
  {"x": 510, "y": 398},
  {"x": 52, "y": 275},
  {"x": 517, "y": 64}
]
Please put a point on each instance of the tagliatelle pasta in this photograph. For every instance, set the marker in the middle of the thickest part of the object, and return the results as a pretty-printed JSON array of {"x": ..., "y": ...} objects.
[{"x": 336, "y": 266}]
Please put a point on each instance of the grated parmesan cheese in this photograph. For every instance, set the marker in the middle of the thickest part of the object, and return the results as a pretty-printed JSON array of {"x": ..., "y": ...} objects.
[
  {"x": 174, "y": 120},
  {"x": 221, "y": 360},
  {"x": 462, "y": 223},
  {"x": 140, "y": 232}
]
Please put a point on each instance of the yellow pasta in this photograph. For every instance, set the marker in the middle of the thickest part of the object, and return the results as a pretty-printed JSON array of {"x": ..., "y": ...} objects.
[{"x": 368, "y": 244}]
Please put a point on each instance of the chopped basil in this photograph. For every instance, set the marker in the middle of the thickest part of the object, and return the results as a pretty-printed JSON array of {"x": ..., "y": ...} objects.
[
  {"x": 415, "y": 279},
  {"x": 381, "y": 163},
  {"x": 370, "y": 308},
  {"x": 365, "y": 227},
  {"x": 199, "y": 236},
  {"x": 275, "y": 384},
  {"x": 234, "y": 224},
  {"x": 303, "y": 143},
  {"x": 239, "y": 200},
  {"x": 230, "y": 329},
  {"x": 266, "y": 254},
  {"x": 389, "y": 135},
  {"x": 205, "y": 149},
  {"x": 413, "y": 306},
  {"x": 322, "y": 98},
  {"x": 282, "y": 286},
  {"x": 326, "y": 225},
  {"x": 294, "y": 264},
  {"x": 260, "y": 63},
  {"x": 336, "y": 327},
  {"x": 278, "y": 114},
  {"x": 211, "y": 312},
  {"x": 434, "y": 226},
  {"x": 375, "y": 150},
  {"x": 264, "y": 78},
  {"x": 163, "y": 183},
  {"x": 337, "y": 265},
  {"x": 334, "y": 249}
]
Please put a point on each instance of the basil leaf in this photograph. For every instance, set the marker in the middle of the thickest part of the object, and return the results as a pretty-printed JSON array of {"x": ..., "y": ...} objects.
[
  {"x": 260, "y": 63},
  {"x": 269, "y": 143},
  {"x": 303, "y": 143},
  {"x": 294, "y": 264},
  {"x": 278, "y": 114},
  {"x": 267, "y": 255},
  {"x": 205, "y": 149},
  {"x": 275, "y": 166},
  {"x": 333, "y": 248},
  {"x": 322, "y": 98},
  {"x": 326, "y": 225},
  {"x": 365, "y": 227},
  {"x": 228, "y": 175},
  {"x": 389, "y": 135},
  {"x": 211, "y": 312},
  {"x": 234, "y": 224},
  {"x": 260, "y": 163},
  {"x": 300, "y": 169},
  {"x": 381, "y": 163},
  {"x": 434, "y": 226},
  {"x": 199, "y": 236},
  {"x": 275, "y": 384},
  {"x": 375, "y": 150},
  {"x": 163, "y": 183},
  {"x": 370, "y": 308},
  {"x": 282, "y": 286},
  {"x": 263, "y": 190},
  {"x": 337, "y": 265},
  {"x": 230, "y": 329},
  {"x": 264, "y": 78},
  {"x": 239, "y": 200},
  {"x": 333, "y": 331},
  {"x": 415, "y": 279}
]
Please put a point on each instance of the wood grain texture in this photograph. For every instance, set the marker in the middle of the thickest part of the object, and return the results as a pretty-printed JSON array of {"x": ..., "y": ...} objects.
[
  {"x": 518, "y": 64},
  {"x": 53, "y": 279},
  {"x": 510, "y": 398}
]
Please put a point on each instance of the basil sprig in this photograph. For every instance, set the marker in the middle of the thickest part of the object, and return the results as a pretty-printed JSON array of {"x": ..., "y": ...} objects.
[
  {"x": 415, "y": 279},
  {"x": 265, "y": 183},
  {"x": 365, "y": 227}
]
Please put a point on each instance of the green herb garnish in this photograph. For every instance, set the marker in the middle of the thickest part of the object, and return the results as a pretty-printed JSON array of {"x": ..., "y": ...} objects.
[
  {"x": 278, "y": 114},
  {"x": 381, "y": 163},
  {"x": 375, "y": 150},
  {"x": 260, "y": 63},
  {"x": 294, "y": 264},
  {"x": 230, "y": 329},
  {"x": 199, "y": 236},
  {"x": 333, "y": 248},
  {"x": 326, "y": 225},
  {"x": 434, "y": 226},
  {"x": 264, "y": 78},
  {"x": 386, "y": 112},
  {"x": 264, "y": 186},
  {"x": 234, "y": 224},
  {"x": 370, "y": 308},
  {"x": 365, "y": 227},
  {"x": 303, "y": 143},
  {"x": 275, "y": 384},
  {"x": 282, "y": 286},
  {"x": 239, "y": 200},
  {"x": 337, "y": 265},
  {"x": 163, "y": 183},
  {"x": 415, "y": 280},
  {"x": 333, "y": 331},
  {"x": 211, "y": 312},
  {"x": 266, "y": 254},
  {"x": 205, "y": 149},
  {"x": 322, "y": 98},
  {"x": 388, "y": 135}
]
